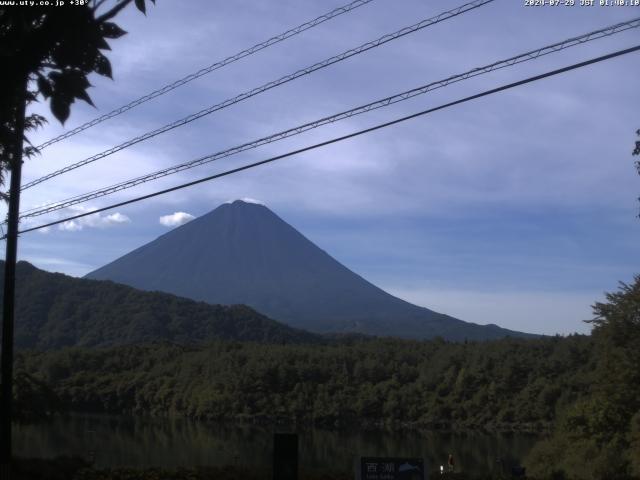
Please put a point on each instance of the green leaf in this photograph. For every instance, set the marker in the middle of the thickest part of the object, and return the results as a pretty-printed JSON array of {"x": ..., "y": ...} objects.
[
  {"x": 141, "y": 6},
  {"x": 60, "y": 108},
  {"x": 103, "y": 66},
  {"x": 70, "y": 84},
  {"x": 102, "y": 44},
  {"x": 44, "y": 86},
  {"x": 111, "y": 30},
  {"x": 30, "y": 152},
  {"x": 34, "y": 121},
  {"x": 83, "y": 95}
]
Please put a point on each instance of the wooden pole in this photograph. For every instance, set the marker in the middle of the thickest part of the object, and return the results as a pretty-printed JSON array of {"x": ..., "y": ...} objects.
[{"x": 8, "y": 307}]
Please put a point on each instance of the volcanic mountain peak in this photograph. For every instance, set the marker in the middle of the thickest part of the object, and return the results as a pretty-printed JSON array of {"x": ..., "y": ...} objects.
[{"x": 243, "y": 253}]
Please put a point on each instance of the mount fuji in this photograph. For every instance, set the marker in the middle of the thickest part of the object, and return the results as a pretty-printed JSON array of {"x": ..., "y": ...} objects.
[{"x": 243, "y": 253}]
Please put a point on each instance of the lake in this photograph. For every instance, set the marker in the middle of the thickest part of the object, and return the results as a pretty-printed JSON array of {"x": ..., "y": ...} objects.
[{"x": 142, "y": 442}]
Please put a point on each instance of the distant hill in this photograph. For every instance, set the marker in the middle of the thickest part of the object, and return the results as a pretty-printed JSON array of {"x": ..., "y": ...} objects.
[
  {"x": 55, "y": 310},
  {"x": 243, "y": 253}
]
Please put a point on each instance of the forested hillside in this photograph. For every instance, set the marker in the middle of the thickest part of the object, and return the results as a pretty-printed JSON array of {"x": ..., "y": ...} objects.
[{"x": 55, "y": 310}]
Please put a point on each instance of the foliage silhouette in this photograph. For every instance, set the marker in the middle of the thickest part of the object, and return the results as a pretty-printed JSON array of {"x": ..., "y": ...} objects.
[
  {"x": 50, "y": 51},
  {"x": 599, "y": 435}
]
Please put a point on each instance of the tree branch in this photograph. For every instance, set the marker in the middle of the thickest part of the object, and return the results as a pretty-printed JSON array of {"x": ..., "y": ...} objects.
[{"x": 113, "y": 12}]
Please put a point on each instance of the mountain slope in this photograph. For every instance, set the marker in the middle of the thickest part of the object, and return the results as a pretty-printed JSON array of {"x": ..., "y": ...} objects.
[
  {"x": 55, "y": 310},
  {"x": 243, "y": 253}
]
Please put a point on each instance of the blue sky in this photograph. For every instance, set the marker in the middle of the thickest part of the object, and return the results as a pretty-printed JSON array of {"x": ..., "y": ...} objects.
[{"x": 517, "y": 209}]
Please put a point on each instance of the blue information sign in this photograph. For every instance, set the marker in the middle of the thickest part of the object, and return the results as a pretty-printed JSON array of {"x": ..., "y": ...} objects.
[{"x": 392, "y": 468}]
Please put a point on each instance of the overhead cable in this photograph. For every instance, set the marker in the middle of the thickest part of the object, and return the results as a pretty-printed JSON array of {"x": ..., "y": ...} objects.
[
  {"x": 530, "y": 55},
  {"x": 267, "y": 86},
  {"x": 206, "y": 70},
  {"x": 344, "y": 137}
]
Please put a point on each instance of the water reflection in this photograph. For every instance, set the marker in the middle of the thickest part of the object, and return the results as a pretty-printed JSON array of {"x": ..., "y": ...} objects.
[{"x": 140, "y": 442}]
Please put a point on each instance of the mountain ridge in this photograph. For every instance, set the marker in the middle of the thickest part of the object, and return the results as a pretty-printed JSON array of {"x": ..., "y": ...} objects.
[{"x": 54, "y": 310}]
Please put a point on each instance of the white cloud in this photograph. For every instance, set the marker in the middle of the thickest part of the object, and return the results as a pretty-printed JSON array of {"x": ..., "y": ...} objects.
[
  {"x": 252, "y": 200},
  {"x": 70, "y": 226},
  {"x": 93, "y": 221},
  {"x": 176, "y": 219},
  {"x": 116, "y": 218},
  {"x": 248, "y": 200}
]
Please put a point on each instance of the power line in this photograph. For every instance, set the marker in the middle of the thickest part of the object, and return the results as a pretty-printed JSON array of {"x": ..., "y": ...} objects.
[
  {"x": 345, "y": 137},
  {"x": 617, "y": 28},
  {"x": 268, "y": 86},
  {"x": 530, "y": 55},
  {"x": 206, "y": 70}
]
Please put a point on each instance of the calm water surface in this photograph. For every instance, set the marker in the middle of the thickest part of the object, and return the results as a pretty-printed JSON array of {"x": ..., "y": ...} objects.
[{"x": 140, "y": 442}]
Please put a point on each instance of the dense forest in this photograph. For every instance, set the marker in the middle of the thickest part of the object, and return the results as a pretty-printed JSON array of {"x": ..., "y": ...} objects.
[{"x": 509, "y": 384}]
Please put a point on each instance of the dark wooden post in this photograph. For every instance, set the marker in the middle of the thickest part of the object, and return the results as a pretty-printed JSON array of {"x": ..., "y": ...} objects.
[
  {"x": 8, "y": 300},
  {"x": 285, "y": 456}
]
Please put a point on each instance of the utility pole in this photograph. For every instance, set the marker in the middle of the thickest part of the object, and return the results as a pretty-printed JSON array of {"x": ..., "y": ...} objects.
[{"x": 8, "y": 300}]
